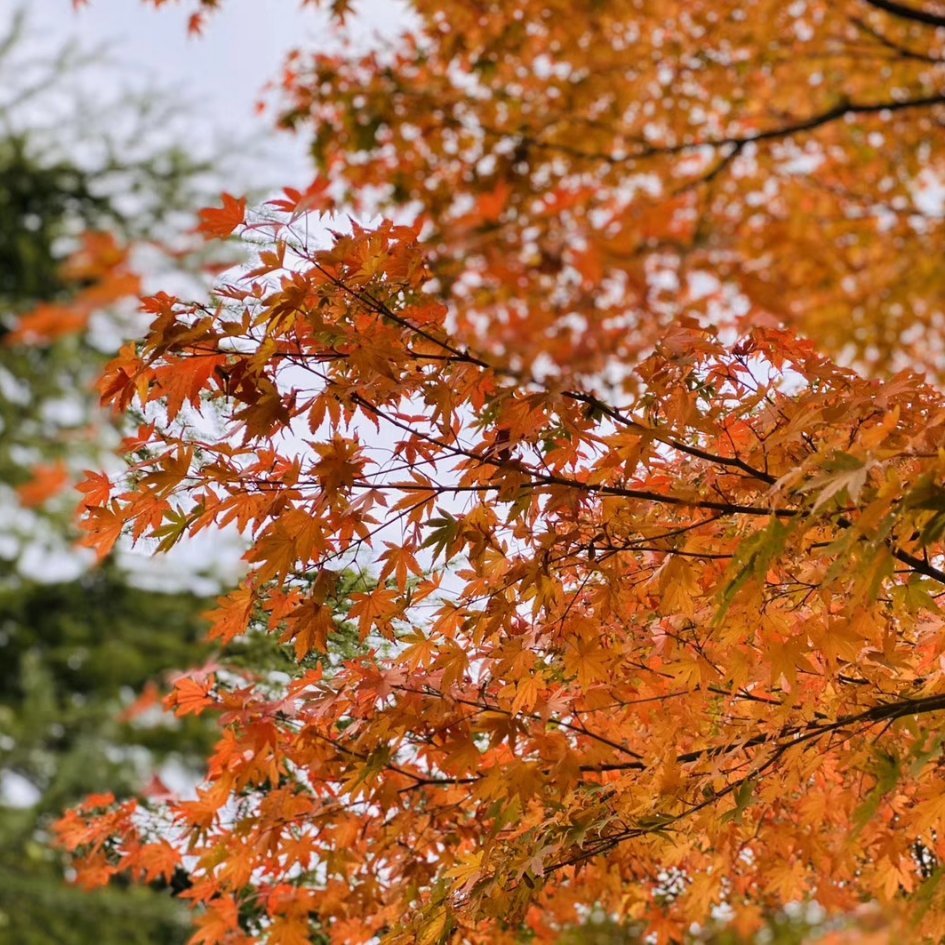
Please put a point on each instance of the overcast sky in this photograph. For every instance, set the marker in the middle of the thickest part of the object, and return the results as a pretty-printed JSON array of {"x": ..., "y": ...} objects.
[{"x": 217, "y": 77}]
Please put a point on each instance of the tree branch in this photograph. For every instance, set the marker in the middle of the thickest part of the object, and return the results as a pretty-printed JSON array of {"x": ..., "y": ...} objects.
[
  {"x": 739, "y": 141},
  {"x": 904, "y": 12}
]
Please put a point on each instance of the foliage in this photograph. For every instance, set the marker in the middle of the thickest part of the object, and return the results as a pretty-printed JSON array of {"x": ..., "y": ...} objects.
[
  {"x": 73, "y": 654},
  {"x": 656, "y": 631},
  {"x": 76, "y": 189},
  {"x": 74, "y": 651},
  {"x": 625, "y": 162}
]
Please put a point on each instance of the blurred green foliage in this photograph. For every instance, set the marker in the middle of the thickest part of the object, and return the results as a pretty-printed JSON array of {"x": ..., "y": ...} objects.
[
  {"x": 76, "y": 159},
  {"x": 75, "y": 652}
]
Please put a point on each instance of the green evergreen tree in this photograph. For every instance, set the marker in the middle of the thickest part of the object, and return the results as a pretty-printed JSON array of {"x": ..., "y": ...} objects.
[
  {"x": 72, "y": 164},
  {"x": 76, "y": 651}
]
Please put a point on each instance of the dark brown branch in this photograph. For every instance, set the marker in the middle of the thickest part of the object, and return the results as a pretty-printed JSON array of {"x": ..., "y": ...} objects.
[
  {"x": 917, "y": 564},
  {"x": 801, "y": 126},
  {"x": 904, "y": 12},
  {"x": 894, "y": 47},
  {"x": 724, "y": 508},
  {"x": 549, "y": 479},
  {"x": 887, "y": 713},
  {"x": 617, "y": 416}
]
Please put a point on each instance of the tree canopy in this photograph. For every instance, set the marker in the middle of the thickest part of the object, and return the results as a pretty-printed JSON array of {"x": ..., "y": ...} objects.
[
  {"x": 78, "y": 646},
  {"x": 633, "y": 408}
]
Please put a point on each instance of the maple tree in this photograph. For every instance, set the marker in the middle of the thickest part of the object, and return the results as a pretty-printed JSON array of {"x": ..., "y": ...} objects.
[{"x": 609, "y": 409}]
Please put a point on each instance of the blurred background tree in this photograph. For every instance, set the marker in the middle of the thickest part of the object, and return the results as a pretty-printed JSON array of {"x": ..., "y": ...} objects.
[
  {"x": 79, "y": 184},
  {"x": 83, "y": 180}
]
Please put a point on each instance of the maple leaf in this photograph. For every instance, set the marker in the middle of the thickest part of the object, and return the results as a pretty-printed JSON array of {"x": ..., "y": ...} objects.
[
  {"x": 156, "y": 860},
  {"x": 375, "y": 609},
  {"x": 215, "y": 925},
  {"x": 308, "y": 627},
  {"x": 490, "y": 205},
  {"x": 103, "y": 526},
  {"x": 468, "y": 871},
  {"x": 191, "y": 696},
  {"x": 231, "y": 615},
  {"x": 296, "y": 202},
  {"x": 401, "y": 562},
  {"x": 47, "y": 323},
  {"x": 645, "y": 582},
  {"x": 339, "y": 465},
  {"x": 220, "y": 222},
  {"x": 96, "y": 487},
  {"x": 46, "y": 482}
]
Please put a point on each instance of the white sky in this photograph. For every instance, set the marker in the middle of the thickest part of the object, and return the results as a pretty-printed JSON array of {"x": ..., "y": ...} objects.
[{"x": 217, "y": 77}]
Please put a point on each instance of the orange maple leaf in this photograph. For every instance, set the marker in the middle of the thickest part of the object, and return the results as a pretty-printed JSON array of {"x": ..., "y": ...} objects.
[
  {"x": 220, "y": 222},
  {"x": 191, "y": 696},
  {"x": 48, "y": 481},
  {"x": 96, "y": 487}
]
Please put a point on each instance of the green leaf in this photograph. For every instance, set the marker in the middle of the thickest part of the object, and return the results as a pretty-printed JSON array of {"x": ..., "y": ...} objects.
[
  {"x": 752, "y": 560},
  {"x": 444, "y": 531}
]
